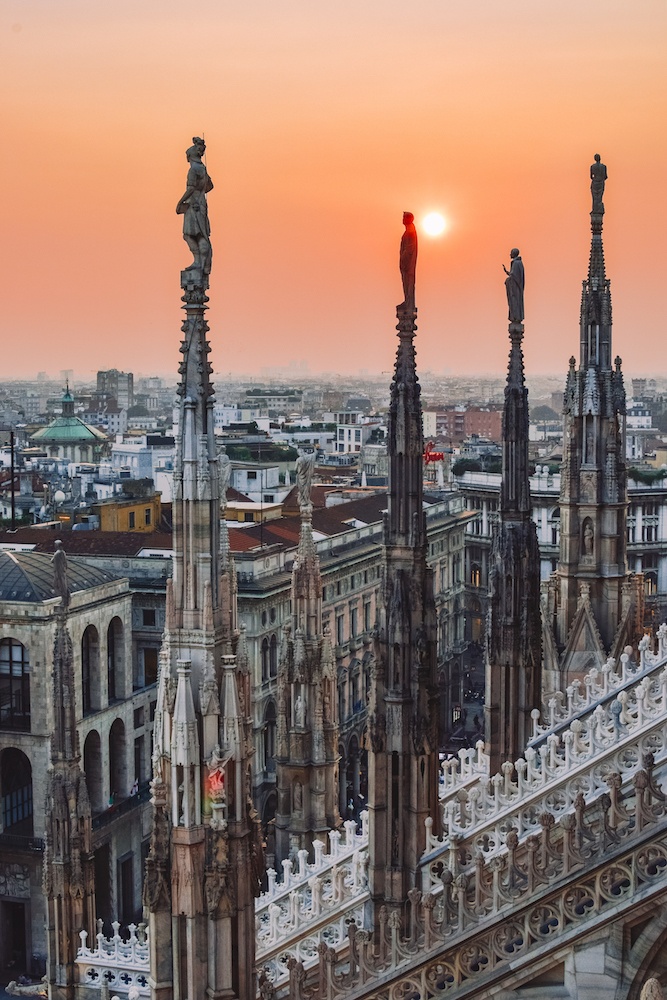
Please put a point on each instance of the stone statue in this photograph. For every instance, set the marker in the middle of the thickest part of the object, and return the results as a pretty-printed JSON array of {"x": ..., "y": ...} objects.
[
  {"x": 59, "y": 563},
  {"x": 298, "y": 796},
  {"x": 408, "y": 261},
  {"x": 300, "y": 712},
  {"x": 305, "y": 467},
  {"x": 588, "y": 539},
  {"x": 598, "y": 177},
  {"x": 514, "y": 285},
  {"x": 193, "y": 208},
  {"x": 224, "y": 474}
]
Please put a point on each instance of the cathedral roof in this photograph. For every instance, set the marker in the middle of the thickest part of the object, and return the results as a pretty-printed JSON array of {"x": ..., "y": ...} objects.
[{"x": 28, "y": 576}]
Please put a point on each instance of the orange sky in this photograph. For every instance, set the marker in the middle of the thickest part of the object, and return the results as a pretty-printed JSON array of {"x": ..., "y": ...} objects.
[{"x": 324, "y": 121}]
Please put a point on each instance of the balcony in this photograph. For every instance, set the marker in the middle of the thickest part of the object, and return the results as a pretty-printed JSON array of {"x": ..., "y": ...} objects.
[
  {"x": 123, "y": 807},
  {"x": 18, "y": 842}
]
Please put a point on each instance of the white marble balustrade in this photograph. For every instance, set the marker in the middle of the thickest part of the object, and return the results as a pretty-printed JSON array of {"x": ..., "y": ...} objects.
[{"x": 119, "y": 963}]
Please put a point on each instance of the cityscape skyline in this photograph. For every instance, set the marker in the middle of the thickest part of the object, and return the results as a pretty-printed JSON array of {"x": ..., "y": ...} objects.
[{"x": 322, "y": 128}]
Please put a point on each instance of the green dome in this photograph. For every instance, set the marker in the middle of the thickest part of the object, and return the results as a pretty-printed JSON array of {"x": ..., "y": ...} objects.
[{"x": 68, "y": 429}]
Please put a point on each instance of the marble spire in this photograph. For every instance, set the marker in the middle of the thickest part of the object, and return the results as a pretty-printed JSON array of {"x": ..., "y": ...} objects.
[
  {"x": 403, "y": 713},
  {"x": 69, "y": 868},
  {"x": 307, "y": 723},
  {"x": 513, "y": 640},
  {"x": 594, "y": 606},
  {"x": 205, "y": 860}
]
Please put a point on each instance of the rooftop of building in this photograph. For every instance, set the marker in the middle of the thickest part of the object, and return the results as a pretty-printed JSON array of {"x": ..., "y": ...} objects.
[{"x": 28, "y": 576}]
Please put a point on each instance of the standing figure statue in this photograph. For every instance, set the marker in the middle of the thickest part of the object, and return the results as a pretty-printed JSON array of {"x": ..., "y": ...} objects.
[
  {"x": 598, "y": 177},
  {"x": 59, "y": 563},
  {"x": 305, "y": 467},
  {"x": 193, "y": 208},
  {"x": 514, "y": 285},
  {"x": 408, "y": 261}
]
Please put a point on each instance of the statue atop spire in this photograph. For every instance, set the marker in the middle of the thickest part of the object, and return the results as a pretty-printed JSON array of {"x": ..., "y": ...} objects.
[
  {"x": 514, "y": 285},
  {"x": 408, "y": 262},
  {"x": 194, "y": 209},
  {"x": 598, "y": 178}
]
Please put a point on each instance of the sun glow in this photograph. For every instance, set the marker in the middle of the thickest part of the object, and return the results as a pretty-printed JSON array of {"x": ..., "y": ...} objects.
[{"x": 434, "y": 224}]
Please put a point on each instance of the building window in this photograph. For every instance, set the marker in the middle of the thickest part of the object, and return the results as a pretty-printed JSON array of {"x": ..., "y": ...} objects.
[
  {"x": 14, "y": 686},
  {"x": 147, "y": 516},
  {"x": 273, "y": 656},
  {"x": 148, "y": 617},
  {"x": 89, "y": 666},
  {"x": 353, "y": 621},
  {"x": 131, "y": 518},
  {"x": 340, "y": 629},
  {"x": 367, "y": 617},
  {"x": 114, "y": 658},
  {"x": 270, "y": 737},
  {"x": 16, "y": 780},
  {"x": 150, "y": 666},
  {"x": 265, "y": 659}
]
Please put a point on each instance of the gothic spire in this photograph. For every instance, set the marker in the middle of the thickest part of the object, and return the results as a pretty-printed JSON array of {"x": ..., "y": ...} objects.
[
  {"x": 405, "y": 523},
  {"x": 513, "y": 653},
  {"x": 515, "y": 488},
  {"x": 403, "y": 710},
  {"x": 596, "y": 294}
]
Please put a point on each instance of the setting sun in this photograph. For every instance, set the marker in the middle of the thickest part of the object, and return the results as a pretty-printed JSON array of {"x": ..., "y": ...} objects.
[{"x": 434, "y": 224}]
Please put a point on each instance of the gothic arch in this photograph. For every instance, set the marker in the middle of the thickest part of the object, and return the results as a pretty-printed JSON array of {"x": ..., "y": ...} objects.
[
  {"x": 117, "y": 760},
  {"x": 92, "y": 766},
  {"x": 90, "y": 669},
  {"x": 115, "y": 659}
]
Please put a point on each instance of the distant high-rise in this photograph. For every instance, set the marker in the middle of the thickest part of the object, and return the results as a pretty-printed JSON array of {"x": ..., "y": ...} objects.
[{"x": 120, "y": 385}]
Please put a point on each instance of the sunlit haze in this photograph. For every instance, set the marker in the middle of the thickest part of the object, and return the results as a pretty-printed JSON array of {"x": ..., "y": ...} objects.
[{"x": 323, "y": 122}]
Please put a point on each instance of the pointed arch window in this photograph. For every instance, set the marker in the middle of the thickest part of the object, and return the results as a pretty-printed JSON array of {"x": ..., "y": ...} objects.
[{"x": 273, "y": 656}]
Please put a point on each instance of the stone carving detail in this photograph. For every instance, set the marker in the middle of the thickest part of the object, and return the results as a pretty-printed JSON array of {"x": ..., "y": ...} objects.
[{"x": 15, "y": 880}]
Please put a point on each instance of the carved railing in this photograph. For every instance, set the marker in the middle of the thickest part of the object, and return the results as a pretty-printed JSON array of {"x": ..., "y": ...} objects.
[
  {"x": 456, "y": 772},
  {"x": 117, "y": 963},
  {"x": 342, "y": 848},
  {"x": 485, "y": 913},
  {"x": 550, "y": 778},
  {"x": 599, "y": 685}
]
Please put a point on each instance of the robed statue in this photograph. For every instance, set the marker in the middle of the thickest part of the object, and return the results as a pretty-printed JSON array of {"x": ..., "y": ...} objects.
[
  {"x": 514, "y": 284},
  {"x": 408, "y": 261},
  {"x": 60, "y": 582},
  {"x": 194, "y": 209},
  {"x": 305, "y": 467},
  {"x": 598, "y": 177}
]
